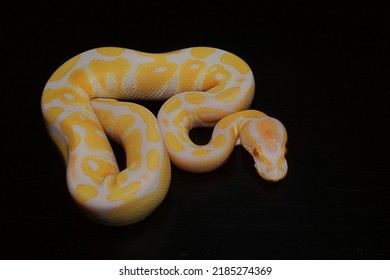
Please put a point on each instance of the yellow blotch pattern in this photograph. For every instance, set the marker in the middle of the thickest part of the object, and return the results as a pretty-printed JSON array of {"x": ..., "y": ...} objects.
[
  {"x": 53, "y": 113},
  {"x": 132, "y": 146},
  {"x": 173, "y": 143},
  {"x": 117, "y": 68},
  {"x": 64, "y": 68},
  {"x": 195, "y": 98},
  {"x": 137, "y": 209},
  {"x": 202, "y": 52},
  {"x": 219, "y": 141},
  {"x": 153, "y": 77},
  {"x": 172, "y": 104},
  {"x": 85, "y": 193},
  {"x": 80, "y": 78},
  {"x": 209, "y": 115},
  {"x": 97, "y": 168},
  {"x": 215, "y": 75},
  {"x": 124, "y": 193},
  {"x": 228, "y": 95},
  {"x": 119, "y": 180},
  {"x": 201, "y": 153},
  {"x": 153, "y": 159},
  {"x": 110, "y": 51},
  {"x": 181, "y": 116},
  {"x": 233, "y": 132},
  {"x": 236, "y": 62},
  {"x": 225, "y": 122},
  {"x": 183, "y": 120},
  {"x": 94, "y": 141},
  {"x": 189, "y": 73},
  {"x": 251, "y": 114},
  {"x": 243, "y": 103},
  {"x": 73, "y": 138},
  {"x": 183, "y": 134},
  {"x": 217, "y": 88},
  {"x": 152, "y": 134},
  {"x": 122, "y": 123},
  {"x": 66, "y": 95},
  {"x": 245, "y": 133}
]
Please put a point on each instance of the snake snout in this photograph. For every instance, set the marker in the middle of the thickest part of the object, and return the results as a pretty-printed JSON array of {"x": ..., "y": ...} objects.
[{"x": 271, "y": 170}]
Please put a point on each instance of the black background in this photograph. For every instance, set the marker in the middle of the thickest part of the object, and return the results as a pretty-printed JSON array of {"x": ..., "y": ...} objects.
[{"x": 323, "y": 70}]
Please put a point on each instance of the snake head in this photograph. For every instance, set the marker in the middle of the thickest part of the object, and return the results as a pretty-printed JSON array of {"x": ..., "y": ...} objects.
[{"x": 265, "y": 138}]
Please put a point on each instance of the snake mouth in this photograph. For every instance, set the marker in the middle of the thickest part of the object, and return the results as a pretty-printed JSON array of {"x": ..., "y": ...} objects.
[{"x": 271, "y": 173}]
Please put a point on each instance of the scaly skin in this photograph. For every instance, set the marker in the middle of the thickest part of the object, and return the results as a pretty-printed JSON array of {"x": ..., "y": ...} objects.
[{"x": 203, "y": 87}]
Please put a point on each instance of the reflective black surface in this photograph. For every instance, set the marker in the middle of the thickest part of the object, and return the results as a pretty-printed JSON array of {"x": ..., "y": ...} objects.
[{"x": 321, "y": 70}]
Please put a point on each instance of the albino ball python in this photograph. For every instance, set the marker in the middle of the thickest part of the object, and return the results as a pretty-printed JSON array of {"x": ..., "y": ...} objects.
[{"x": 203, "y": 87}]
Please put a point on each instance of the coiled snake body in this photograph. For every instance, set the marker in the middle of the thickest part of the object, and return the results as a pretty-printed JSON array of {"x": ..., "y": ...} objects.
[{"x": 203, "y": 87}]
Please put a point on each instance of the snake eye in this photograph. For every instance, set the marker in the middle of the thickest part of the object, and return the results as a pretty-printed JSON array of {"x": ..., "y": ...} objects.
[{"x": 255, "y": 152}]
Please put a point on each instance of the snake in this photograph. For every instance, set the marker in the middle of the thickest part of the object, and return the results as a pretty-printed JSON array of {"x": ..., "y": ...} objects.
[{"x": 92, "y": 98}]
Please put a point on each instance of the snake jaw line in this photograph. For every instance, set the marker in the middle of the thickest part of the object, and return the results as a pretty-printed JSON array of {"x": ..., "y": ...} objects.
[{"x": 272, "y": 173}]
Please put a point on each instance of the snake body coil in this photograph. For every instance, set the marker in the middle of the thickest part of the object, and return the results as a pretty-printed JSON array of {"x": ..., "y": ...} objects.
[{"x": 203, "y": 87}]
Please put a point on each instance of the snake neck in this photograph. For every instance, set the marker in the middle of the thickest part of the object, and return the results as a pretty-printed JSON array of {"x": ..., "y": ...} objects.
[{"x": 187, "y": 155}]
